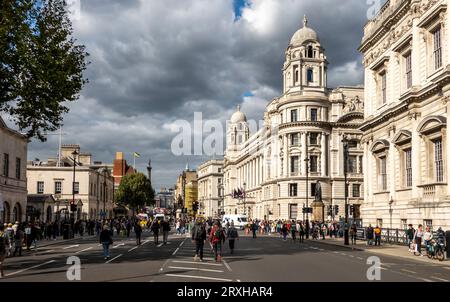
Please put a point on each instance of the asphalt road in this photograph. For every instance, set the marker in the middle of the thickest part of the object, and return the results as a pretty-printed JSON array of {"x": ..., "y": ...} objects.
[{"x": 264, "y": 259}]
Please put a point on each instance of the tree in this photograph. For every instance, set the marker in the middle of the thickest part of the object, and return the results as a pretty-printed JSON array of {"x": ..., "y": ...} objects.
[
  {"x": 135, "y": 190},
  {"x": 41, "y": 66}
]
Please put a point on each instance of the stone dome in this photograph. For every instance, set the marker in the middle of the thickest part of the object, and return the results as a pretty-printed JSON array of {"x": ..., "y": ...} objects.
[
  {"x": 304, "y": 34},
  {"x": 238, "y": 116}
]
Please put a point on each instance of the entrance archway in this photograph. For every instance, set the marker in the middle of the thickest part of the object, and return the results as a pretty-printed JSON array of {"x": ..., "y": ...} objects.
[
  {"x": 17, "y": 213},
  {"x": 6, "y": 216},
  {"x": 49, "y": 214}
]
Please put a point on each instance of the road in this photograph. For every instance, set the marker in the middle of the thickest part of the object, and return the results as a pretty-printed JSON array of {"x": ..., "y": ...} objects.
[{"x": 264, "y": 259}]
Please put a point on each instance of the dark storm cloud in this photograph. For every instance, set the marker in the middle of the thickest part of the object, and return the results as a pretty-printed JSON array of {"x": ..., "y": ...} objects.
[{"x": 154, "y": 62}]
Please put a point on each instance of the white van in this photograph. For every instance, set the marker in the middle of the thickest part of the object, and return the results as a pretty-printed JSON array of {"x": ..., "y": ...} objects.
[{"x": 239, "y": 220}]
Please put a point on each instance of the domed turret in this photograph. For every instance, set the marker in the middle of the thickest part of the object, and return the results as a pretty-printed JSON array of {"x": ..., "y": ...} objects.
[
  {"x": 238, "y": 116},
  {"x": 304, "y": 34}
]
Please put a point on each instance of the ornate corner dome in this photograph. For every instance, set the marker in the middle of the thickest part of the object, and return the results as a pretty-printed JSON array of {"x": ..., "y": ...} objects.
[
  {"x": 238, "y": 116},
  {"x": 304, "y": 34}
]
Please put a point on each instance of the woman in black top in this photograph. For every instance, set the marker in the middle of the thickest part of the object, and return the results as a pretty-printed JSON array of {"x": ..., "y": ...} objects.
[{"x": 106, "y": 241}]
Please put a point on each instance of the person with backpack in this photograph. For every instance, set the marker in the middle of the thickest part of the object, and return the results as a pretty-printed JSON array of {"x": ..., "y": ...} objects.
[
  {"x": 166, "y": 229},
  {"x": 232, "y": 235},
  {"x": 198, "y": 238},
  {"x": 377, "y": 232},
  {"x": 106, "y": 240},
  {"x": 4, "y": 246},
  {"x": 217, "y": 237}
]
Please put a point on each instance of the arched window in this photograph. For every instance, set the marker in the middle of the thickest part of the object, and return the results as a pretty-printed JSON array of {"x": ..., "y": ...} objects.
[
  {"x": 380, "y": 150},
  {"x": 310, "y": 75},
  {"x": 6, "y": 212},
  {"x": 17, "y": 213},
  {"x": 49, "y": 214},
  {"x": 309, "y": 52}
]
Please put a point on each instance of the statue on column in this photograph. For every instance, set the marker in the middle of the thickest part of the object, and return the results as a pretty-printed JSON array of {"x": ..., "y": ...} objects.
[
  {"x": 317, "y": 205},
  {"x": 318, "y": 192}
]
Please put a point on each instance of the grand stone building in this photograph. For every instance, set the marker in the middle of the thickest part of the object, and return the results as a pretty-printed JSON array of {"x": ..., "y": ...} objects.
[
  {"x": 210, "y": 188},
  {"x": 407, "y": 99},
  {"x": 299, "y": 145}
]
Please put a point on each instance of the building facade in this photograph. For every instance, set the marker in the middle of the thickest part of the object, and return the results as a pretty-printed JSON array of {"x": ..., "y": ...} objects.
[
  {"x": 182, "y": 199},
  {"x": 165, "y": 199},
  {"x": 299, "y": 149},
  {"x": 13, "y": 177},
  {"x": 210, "y": 188},
  {"x": 407, "y": 100},
  {"x": 121, "y": 168},
  {"x": 93, "y": 185}
]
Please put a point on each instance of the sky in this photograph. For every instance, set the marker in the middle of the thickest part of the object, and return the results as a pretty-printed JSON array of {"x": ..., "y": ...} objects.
[{"x": 155, "y": 62}]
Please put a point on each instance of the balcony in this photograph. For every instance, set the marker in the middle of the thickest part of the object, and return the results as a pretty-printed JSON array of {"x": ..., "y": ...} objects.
[{"x": 433, "y": 191}]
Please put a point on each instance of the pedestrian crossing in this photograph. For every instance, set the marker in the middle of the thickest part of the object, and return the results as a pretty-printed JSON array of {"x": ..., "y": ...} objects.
[{"x": 183, "y": 266}]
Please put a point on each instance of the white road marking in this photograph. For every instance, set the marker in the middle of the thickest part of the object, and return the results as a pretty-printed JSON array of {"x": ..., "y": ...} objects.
[
  {"x": 26, "y": 269},
  {"x": 48, "y": 251},
  {"x": 175, "y": 251},
  {"x": 72, "y": 246},
  {"x": 198, "y": 277},
  {"x": 360, "y": 258},
  {"x": 192, "y": 262},
  {"x": 160, "y": 245},
  {"x": 197, "y": 269},
  {"x": 181, "y": 244},
  {"x": 440, "y": 279},
  {"x": 132, "y": 249},
  {"x": 227, "y": 266},
  {"x": 238, "y": 280},
  {"x": 351, "y": 256},
  {"x": 426, "y": 280},
  {"x": 114, "y": 258},
  {"x": 408, "y": 271},
  {"x": 343, "y": 254},
  {"x": 89, "y": 248},
  {"x": 120, "y": 244}
]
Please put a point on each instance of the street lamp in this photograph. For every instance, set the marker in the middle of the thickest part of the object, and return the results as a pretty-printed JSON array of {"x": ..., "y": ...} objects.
[
  {"x": 74, "y": 154},
  {"x": 391, "y": 201},
  {"x": 345, "y": 143}
]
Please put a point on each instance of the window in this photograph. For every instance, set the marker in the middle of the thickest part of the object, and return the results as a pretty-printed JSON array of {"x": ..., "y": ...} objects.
[
  {"x": 313, "y": 163},
  {"x": 293, "y": 190},
  {"x": 352, "y": 164},
  {"x": 294, "y": 115},
  {"x": 294, "y": 165},
  {"x": 76, "y": 188},
  {"x": 382, "y": 173},
  {"x": 437, "y": 52},
  {"x": 296, "y": 74},
  {"x": 408, "y": 168},
  {"x": 438, "y": 162},
  {"x": 294, "y": 139},
  {"x": 309, "y": 52},
  {"x": 314, "y": 115},
  {"x": 293, "y": 211},
  {"x": 383, "y": 88},
  {"x": 356, "y": 190},
  {"x": 310, "y": 76},
  {"x": 40, "y": 187},
  {"x": 408, "y": 71},
  {"x": 404, "y": 224},
  {"x": 352, "y": 144},
  {"x": 6, "y": 165},
  {"x": 313, "y": 190},
  {"x": 361, "y": 164},
  {"x": 428, "y": 223},
  {"x": 18, "y": 166},
  {"x": 58, "y": 187},
  {"x": 219, "y": 170},
  {"x": 313, "y": 138}
]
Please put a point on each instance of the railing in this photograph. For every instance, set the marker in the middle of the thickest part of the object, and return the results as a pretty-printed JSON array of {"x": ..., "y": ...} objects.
[
  {"x": 429, "y": 190},
  {"x": 391, "y": 236}
]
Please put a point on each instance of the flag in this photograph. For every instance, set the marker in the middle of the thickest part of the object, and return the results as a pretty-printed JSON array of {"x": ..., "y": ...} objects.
[{"x": 135, "y": 154}]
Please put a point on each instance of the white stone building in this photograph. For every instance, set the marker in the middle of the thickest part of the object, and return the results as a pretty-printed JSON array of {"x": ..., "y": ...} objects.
[
  {"x": 13, "y": 178},
  {"x": 407, "y": 99},
  {"x": 210, "y": 188},
  {"x": 308, "y": 121},
  {"x": 94, "y": 184}
]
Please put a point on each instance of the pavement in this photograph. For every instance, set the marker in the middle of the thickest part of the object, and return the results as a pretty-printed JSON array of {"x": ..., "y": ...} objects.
[{"x": 264, "y": 259}]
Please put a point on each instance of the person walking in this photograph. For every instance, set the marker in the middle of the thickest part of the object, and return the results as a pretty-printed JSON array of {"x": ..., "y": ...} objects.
[
  {"x": 254, "y": 227},
  {"x": 155, "y": 230},
  {"x": 4, "y": 246},
  {"x": 138, "y": 232},
  {"x": 18, "y": 241},
  {"x": 217, "y": 237},
  {"x": 232, "y": 235},
  {"x": 165, "y": 229},
  {"x": 369, "y": 235},
  {"x": 198, "y": 238},
  {"x": 284, "y": 231},
  {"x": 410, "y": 238},
  {"x": 293, "y": 230},
  {"x": 301, "y": 232},
  {"x": 427, "y": 237},
  {"x": 377, "y": 232},
  {"x": 418, "y": 236},
  {"x": 106, "y": 240},
  {"x": 353, "y": 233}
]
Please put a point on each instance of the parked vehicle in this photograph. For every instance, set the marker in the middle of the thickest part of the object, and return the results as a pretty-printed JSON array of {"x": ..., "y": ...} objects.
[
  {"x": 435, "y": 250},
  {"x": 239, "y": 220}
]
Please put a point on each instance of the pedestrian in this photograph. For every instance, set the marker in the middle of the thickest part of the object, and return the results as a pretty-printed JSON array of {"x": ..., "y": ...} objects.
[
  {"x": 18, "y": 241},
  {"x": 301, "y": 232},
  {"x": 293, "y": 230},
  {"x": 254, "y": 227},
  {"x": 106, "y": 240},
  {"x": 166, "y": 229},
  {"x": 217, "y": 237},
  {"x": 427, "y": 237},
  {"x": 324, "y": 231},
  {"x": 198, "y": 238},
  {"x": 418, "y": 236},
  {"x": 232, "y": 235},
  {"x": 49, "y": 231},
  {"x": 155, "y": 230},
  {"x": 377, "y": 232},
  {"x": 410, "y": 237},
  {"x": 369, "y": 235},
  {"x": 353, "y": 233},
  {"x": 138, "y": 232},
  {"x": 284, "y": 231},
  {"x": 4, "y": 246}
]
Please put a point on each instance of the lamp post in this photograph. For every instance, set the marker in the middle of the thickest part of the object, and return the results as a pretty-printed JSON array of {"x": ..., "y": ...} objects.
[
  {"x": 346, "y": 235},
  {"x": 391, "y": 201},
  {"x": 74, "y": 154},
  {"x": 245, "y": 193}
]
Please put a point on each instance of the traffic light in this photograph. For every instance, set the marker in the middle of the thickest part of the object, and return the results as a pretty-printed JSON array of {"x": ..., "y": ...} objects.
[
  {"x": 336, "y": 209},
  {"x": 330, "y": 210},
  {"x": 73, "y": 206},
  {"x": 195, "y": 206}
]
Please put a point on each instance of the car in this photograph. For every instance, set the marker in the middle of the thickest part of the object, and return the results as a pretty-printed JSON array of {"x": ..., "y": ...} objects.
[{"x": 240, "y": 221}]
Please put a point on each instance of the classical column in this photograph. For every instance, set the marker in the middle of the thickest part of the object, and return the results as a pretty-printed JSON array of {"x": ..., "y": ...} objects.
[
  {"x": 285, "y": 156},
  {"x": 323, "y": 146},
  {"x": 304, "y": 138}
]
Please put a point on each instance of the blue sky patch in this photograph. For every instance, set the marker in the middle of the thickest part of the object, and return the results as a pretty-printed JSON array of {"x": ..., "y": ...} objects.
[
  {"x": 248, "y": 94},
  {"x": 238, "y": 5}
]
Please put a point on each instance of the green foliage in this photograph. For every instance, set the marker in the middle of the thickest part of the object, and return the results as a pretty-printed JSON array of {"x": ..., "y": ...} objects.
[
  {"x": 41, "y": 65},
  {"x": 135, "y": 190}
]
